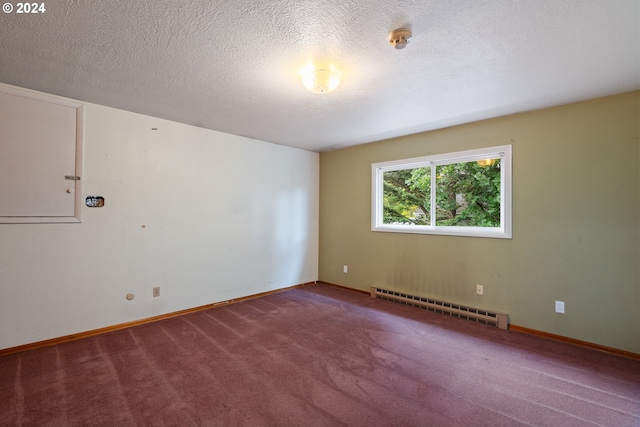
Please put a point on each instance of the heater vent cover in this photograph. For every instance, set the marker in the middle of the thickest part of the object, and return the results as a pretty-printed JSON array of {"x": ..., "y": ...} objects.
[{"x": 470, "y": 313}]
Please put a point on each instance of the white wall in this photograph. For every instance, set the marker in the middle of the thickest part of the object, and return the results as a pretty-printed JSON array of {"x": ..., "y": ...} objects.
[{"x": 205, "y": 215}]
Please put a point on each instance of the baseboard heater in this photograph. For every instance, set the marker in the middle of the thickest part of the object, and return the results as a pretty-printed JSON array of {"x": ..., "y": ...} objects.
[{"x": 456, "y": 310}]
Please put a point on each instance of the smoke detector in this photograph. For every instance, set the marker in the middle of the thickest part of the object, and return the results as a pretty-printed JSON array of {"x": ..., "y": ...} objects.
[{"x": 399, "y": 38}]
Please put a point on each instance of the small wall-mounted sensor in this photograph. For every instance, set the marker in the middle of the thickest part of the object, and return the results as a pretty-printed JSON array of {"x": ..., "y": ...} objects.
[{"x": 94, "y": 201}]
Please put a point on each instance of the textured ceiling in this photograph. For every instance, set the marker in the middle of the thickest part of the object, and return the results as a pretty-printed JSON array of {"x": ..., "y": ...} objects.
[{"x": 232, "y": 66}]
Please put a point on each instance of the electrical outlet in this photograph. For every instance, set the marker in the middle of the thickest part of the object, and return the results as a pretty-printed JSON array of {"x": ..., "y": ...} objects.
[
  {"x": 156, "y": 291},
  {"x": 560, "y": 307},
  {"x": 345, "y": 269},
  {"x": 479, "y": 289}
]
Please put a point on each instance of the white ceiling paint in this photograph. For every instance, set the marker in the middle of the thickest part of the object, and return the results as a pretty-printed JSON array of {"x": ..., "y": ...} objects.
[{"x": 232, "y": 66}]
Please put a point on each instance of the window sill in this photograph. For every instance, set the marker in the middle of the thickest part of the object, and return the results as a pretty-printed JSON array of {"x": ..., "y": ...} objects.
[{"x": 495, "y": 233}]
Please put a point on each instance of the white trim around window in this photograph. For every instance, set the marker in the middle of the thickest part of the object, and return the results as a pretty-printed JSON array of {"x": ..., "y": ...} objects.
[{"x": 430, "y": 164}]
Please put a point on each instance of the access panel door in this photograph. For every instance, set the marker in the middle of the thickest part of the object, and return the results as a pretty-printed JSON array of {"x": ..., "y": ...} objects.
[{"x": 39, "y": 158}]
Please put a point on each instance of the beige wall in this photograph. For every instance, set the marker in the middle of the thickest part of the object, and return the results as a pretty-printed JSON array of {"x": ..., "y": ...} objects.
[{"x": 576, "y": 216}]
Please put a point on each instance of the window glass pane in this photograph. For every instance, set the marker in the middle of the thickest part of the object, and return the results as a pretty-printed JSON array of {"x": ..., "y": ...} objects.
[
  {"x": 468, "y": 194},
  {"x": 406, "y": 196}
]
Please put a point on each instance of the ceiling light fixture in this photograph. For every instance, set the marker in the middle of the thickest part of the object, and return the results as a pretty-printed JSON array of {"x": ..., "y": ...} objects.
[
  {"x": 399, "y": 38},
  {"x": 320, "y": 80}
]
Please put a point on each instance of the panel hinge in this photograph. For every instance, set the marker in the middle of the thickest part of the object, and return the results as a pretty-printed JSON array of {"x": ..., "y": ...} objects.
[{"x": 72, "y": 177}]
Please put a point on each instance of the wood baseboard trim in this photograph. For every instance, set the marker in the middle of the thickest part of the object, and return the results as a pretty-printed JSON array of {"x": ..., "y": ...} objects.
[
  {"x": 580, "y": 343},
  {"x": 547, "y": 335},
  {"x": 100, "y": 331},
  {"x": 344, "y": 287}
]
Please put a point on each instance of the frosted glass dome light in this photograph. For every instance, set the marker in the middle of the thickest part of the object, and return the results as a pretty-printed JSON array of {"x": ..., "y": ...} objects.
[{"x": 320, "y": 80}]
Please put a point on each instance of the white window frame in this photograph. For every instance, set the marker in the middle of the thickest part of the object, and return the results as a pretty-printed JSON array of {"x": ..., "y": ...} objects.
[{"x": 503, "y": 232}]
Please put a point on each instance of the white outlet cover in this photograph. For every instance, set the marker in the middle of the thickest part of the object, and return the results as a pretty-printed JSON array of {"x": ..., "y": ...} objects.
[{"x": 559, "y": 306}]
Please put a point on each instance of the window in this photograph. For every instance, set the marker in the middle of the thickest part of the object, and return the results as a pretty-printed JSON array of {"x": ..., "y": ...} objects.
[{"x": 471, "y": 195}]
